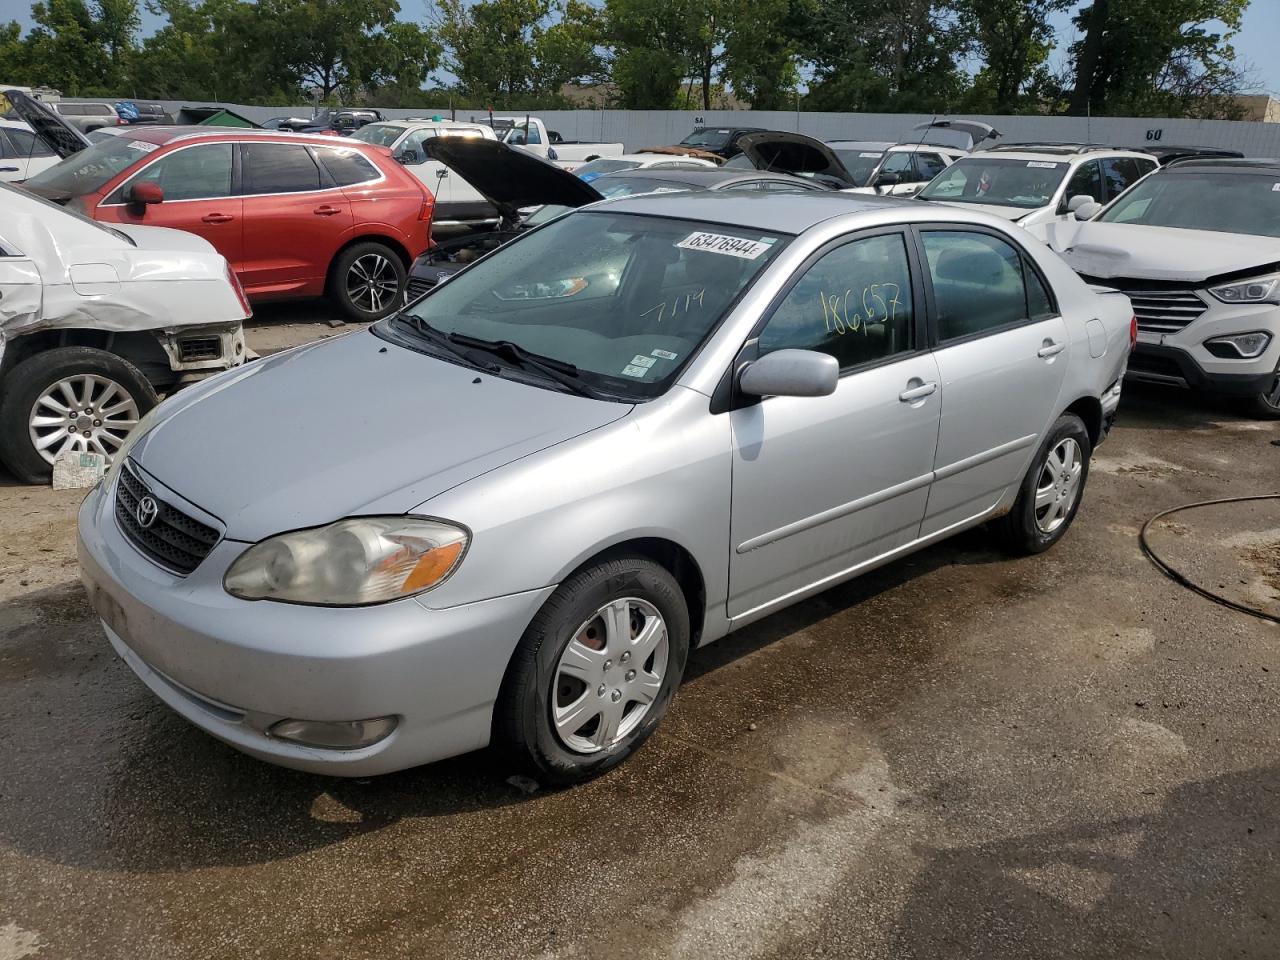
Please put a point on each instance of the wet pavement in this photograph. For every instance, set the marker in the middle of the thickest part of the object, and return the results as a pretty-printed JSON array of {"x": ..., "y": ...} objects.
[{"x": 960, "y": 755}]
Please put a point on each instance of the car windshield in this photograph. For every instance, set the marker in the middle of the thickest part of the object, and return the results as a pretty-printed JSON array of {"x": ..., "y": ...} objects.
[
  {"x": 602, "y": 166},
  {"x": 621, "y": 185},
  {"x": 625, "y": 299},
  {"x": 709, "y": 139},
  {"x": 90, "y": 169},
  {"x": 859, "y": 163},
  {"x": 1236, "y": 202},
  {"x": 379, "y": 134},
  {"x": 1000, "y": 181}
]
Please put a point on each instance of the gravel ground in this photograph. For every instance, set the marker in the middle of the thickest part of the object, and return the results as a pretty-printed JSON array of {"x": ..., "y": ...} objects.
[{"x": 960, "y": 755}]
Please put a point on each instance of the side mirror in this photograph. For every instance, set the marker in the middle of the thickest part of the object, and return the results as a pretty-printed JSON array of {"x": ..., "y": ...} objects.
[
  {"x": 791, "y": 373},
  {"x": 1078, "y": 201},
  {"x": 888, "y": 180},
  {"x": 142, "y": 195},
  {"x": 1087, "y": 211},
  {"x": 407, "y": 157}
]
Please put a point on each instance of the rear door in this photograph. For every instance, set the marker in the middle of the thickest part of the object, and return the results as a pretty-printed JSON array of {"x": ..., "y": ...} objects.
[
  {"x": 198, "y": 182},
  {"x": 295, "y": 216},
  {"x": 28, "y": 152},
  {"x": 1001, "y": 354}
]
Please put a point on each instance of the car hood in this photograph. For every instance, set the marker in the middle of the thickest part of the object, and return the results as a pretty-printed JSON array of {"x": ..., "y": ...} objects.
[
  {"x": 795, "y": 153},
  {"x": 62, "y": 138},
  {"x": 1009, "y": 213},
  {"x": 508, "y": 177},
  {"x": 1107, "y": 250},
  {"x": 349, "y": 426}
]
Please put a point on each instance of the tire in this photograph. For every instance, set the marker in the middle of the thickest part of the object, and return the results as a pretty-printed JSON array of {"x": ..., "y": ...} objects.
[
  {"x": 1266, "y": 404},
  {"x": 360, "y": 300},
  {"x": 546, "y": 676},
  {"x": 40, "y": 374},
  {"x": 1029, "y": 528}
]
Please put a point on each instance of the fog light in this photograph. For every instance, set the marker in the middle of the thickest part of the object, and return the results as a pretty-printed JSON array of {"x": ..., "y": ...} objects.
[
  {"x": 334, "y": 735},
  {"x": 1244, "y": 345}
]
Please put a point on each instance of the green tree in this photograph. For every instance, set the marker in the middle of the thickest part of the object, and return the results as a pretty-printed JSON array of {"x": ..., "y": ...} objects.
[
  {"x": 1157, "y": 57},
  {"x": 1012, "y": 39},
  {"x": 649, "y": 45}
]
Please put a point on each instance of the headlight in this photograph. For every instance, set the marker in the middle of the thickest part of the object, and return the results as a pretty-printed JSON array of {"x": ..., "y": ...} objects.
[
  {"x": 137, "y": 433},
  {"x": 1258, "y": 290},
  {"x": 349, "y": 563}
]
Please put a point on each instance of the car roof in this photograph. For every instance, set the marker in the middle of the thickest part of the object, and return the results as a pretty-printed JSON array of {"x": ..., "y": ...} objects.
[
  {"x": 1226, "y": 165},
  {"x": 861, "y": 144},
  {"x": 705, "y": 177},
  {"x": 1054, "y": 155},
  {"x": 789, "y": 213},
  {"x": 162, "y": 134}
]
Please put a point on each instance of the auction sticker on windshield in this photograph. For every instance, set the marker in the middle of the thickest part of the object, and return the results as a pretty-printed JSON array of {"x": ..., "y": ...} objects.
[
  {"x": 1041, "y": 164},
  {"x": 728, "y": 246}
]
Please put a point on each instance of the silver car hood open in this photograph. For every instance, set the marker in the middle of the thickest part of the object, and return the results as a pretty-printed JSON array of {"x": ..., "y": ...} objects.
[
  {"x": 350, "y": 426},
  {"x": 1164, "y": 253}
]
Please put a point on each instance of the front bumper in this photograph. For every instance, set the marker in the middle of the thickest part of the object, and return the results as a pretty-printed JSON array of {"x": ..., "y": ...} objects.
[
  {"x": 234, "y": 668},
  {"x": 1180, "y": 358},
  {"x": 1178, "y": 366}
]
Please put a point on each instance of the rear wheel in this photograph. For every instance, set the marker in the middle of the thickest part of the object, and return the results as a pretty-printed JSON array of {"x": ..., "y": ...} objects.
[
  {"x": 367, "y": 281},
  {"x": 1051, "y": 490},
  {"x": 68, "y": 400},
  {"x": 595, "y": 671}
]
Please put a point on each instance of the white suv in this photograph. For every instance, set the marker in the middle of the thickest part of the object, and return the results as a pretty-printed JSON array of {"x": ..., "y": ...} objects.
[
  {"x": 899, "y": 169},
  {"x": 1196, "y": 247},
  {"x": 1037, "y": 184}
]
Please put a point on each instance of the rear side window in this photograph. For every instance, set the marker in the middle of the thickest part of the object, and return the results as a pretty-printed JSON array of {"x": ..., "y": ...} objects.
[
  {"x": 69, "y": 109},
  {"x": 978, "y": 284},
  {"x": 277, "y": 168},
  {"x": 1120, "y": 172},
  {"x": 346, "y": 167},
  {"x": 27, "y": 144},
  {"x": 853, "y": 303}
]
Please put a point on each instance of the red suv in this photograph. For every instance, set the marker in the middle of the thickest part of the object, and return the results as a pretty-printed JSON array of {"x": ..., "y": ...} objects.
[{"x": 295, "y": 215}]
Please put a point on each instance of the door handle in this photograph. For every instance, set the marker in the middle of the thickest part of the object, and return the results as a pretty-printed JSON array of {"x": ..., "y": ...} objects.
[
  {"x": 217, "y": 218},
  {"x": 1050, "y": 349},
  {"x": 918, "y": 392},
  {"x": 326, "y": 211}
]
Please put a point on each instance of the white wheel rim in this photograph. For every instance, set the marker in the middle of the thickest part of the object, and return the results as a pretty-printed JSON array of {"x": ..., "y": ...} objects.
[
  {"x": 85, "y": 413},
  {"x": 609, "y": 675},
  {"x": 1058, "y": 486}
]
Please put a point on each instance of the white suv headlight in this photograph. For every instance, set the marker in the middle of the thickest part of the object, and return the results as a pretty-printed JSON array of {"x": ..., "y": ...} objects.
[
  {"x": 352, "y": 562},
  {"x": 1256, "y": 290}
]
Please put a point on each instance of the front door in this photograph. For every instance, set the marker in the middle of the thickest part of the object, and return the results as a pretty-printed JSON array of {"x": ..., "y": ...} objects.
[
  {"x": 295, "y": 219},
  {"x": 1002, "y": 356},
  {"x": 823, "y": 484}
]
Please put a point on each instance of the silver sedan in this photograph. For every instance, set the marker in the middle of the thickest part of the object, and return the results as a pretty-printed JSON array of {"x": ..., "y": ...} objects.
[{"x": 511, "y": 511}]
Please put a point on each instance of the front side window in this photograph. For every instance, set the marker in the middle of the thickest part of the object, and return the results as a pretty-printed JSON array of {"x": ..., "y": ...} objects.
[
  {"x": 1239, "y": 201},
  {"x": 277, "y": 168},
  {"x": 1086, "y": 181},
  {"x": 27, "y": 144},
  {"x": 898, "y": 163},
  {"x": 854, "y": 303},
  {"x": 1003, "y": 182},
  {"x": 194, "y": 173},
  {"x": 625, "y": 299},
  {"x": 978, "y": 283}
]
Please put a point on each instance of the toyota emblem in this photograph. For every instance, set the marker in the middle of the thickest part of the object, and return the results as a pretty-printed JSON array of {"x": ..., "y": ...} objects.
[{"x": 147, "y": 512}]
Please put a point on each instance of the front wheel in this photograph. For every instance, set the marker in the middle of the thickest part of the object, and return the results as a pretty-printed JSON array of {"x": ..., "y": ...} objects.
[
  {"x": 595, "y": 671},
  {"x": 1266, "y": 404},
  {"x": 1051, "y": 490},
  {"x": 367, "y": 281}
]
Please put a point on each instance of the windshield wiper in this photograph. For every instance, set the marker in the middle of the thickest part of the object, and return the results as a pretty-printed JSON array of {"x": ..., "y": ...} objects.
[
  {"x": 445, "y": 342},
  {"x": 563, "y": 373}
]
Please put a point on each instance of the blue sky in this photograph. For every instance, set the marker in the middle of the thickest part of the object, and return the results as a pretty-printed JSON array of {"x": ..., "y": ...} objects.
[{"x": 1255, "y": 44}]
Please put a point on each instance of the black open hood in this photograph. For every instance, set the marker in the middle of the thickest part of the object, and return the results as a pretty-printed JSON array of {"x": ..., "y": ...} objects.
[
  {"x": 62, "y": 138},
  {"x": 508, "y": 177},
  {"x": 796, "y": 154}
]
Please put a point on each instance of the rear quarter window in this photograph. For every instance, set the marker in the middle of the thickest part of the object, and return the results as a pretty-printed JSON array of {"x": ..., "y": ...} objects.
[{"x": 347, "y": 167}]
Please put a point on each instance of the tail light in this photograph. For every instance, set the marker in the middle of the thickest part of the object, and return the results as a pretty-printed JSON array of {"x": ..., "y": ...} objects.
[
  {"x": 235, "y": 285},
  {"x": 1133, "y": 331},
  {"x": 424, "y": 211}
]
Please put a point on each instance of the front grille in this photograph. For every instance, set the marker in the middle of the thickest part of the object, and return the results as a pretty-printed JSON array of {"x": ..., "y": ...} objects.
[
  {"x": 416, "y": 287},
  {"x": 173, "y": 540},
  {"x": 199, "y": 348},
  {"x": 1161, "y": 306}
]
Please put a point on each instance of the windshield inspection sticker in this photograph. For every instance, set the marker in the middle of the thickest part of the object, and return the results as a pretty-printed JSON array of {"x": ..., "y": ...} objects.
[
  {"x": 1041, "y": 164},
  {"x": 143, "y": 146},
  {"x": 631, "y": 370},
  {"x": 727, "y": 246},
  {"x": 642, "y": 361},
  {"x": 665, "y": 354}
]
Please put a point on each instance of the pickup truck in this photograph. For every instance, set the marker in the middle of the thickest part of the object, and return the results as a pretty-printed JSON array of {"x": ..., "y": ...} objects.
[{"x": 530, "y": 133}]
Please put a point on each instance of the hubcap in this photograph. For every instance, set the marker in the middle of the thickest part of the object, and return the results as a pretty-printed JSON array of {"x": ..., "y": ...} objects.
[
  {"x": 609, "y": 675},
  {"x": 371, "y": 283},
  {"x": 81, "y": 414},
  {"x": 1059, "y": 485}
]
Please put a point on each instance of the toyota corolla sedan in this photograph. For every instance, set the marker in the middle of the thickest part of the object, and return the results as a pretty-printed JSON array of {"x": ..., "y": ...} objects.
[{"x": 510, "y": 511}]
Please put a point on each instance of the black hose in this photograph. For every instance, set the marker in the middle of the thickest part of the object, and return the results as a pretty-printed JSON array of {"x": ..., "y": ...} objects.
[{"x": 1182, "y": 578}]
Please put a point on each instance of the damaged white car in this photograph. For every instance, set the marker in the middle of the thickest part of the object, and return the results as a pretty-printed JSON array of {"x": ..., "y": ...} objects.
[{"x": 94, "y": 322}]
